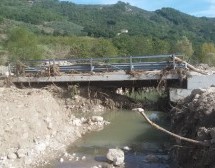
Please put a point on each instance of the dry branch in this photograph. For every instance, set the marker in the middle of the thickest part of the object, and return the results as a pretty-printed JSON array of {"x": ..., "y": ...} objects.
[
  {"x": 190, "y": 66},
  {"x": 172, "y": 134}
]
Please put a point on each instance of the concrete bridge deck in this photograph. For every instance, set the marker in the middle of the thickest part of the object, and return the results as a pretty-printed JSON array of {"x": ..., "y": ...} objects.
[
  {"x": 138, "y": 71},
  {"x": 118, "y": 79}
]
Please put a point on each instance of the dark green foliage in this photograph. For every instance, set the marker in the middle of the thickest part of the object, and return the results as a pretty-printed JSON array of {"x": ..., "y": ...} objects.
[
  {"x": 141, "y": 45},
  {"x": 23, "y": 45},
  {"x": 81, "y": 46},
  {"x": 1, "y": 19},
  {"x": 65, "y": 28},
  {"x": 108, "y": 20},
  {"x": 119, "y": 29}
]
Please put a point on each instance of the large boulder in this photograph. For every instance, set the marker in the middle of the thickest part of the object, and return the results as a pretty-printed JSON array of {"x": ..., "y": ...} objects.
[{"x": 116, "y": 156}]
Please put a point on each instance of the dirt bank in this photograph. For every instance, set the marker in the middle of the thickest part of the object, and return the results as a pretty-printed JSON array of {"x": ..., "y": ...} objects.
[
  {"x": 37, "y": 124},
  {"x": 194, "y": 118},
  {"x": 34, "y": 124}
]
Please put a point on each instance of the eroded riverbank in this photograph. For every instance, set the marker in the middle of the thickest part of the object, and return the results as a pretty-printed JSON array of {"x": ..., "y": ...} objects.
[{"x": 37, "y": 124}]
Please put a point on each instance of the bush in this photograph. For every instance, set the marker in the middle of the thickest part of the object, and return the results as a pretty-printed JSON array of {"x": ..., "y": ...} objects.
[
  {"x": 23, "y": 45},
  {"x": 1, "y": 19}
]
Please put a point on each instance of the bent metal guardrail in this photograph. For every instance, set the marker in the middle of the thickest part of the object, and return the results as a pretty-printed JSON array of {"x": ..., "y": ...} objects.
[{"x": 130, "y": 63}]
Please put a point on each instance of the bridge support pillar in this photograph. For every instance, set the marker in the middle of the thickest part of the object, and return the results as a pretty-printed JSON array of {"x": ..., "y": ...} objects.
[{"x": 195, "y": 81}]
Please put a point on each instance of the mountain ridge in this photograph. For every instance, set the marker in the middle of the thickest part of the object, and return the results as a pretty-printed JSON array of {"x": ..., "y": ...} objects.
[
  {"x": 117, "y": 29},
  {"x": 108, "y": 20}
]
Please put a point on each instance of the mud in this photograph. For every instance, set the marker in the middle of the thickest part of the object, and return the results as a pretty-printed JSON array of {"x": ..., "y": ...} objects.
[{"x": 194, "y": 117}]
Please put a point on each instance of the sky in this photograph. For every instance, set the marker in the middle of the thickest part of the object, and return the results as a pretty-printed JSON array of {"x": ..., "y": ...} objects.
[{"x": 193, "y": 7}]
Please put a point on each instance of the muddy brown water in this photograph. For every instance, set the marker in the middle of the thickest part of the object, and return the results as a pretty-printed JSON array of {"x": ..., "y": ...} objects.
[{"x": 127, "y": 129}]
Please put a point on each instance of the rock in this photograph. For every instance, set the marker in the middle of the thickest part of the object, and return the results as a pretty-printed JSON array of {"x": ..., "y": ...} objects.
[
  {"x": 77, "y": 98},
  {"x": 116, "y": 156},
  {"x": 202, "y": 134},
  {"x": 66, "y": 154},
  {"x": 83, "y": 120},
  {"x": 77, "y": 158},
  {"x": 83, "y": 158},
  {"x": 61, "y": 160},
  {"x": 27, "y": 161},
  {"x": 50, "y": 126},
  {"x": 77, "y": 122},
  {"x": 106, "y": 122},
  {"x": 12, "y": 156},
  {"x": 97, "y": 119},
  {"x": 3, "y": 158},
  {"x": 198, "y": 91},
  {"x": 90, "y": 122},
  {"x": 126, "y": 148},
  {"x": 212, "y": 133},
  {"x": 138, "y": 109},
  {"x": 21, "y": 153},
  {"x": 40, "y": 147},
  {"x": 197, "y": 96}
]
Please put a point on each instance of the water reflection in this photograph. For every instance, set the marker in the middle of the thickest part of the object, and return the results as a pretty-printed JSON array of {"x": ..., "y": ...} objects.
[{"x": 127, "y": 128}]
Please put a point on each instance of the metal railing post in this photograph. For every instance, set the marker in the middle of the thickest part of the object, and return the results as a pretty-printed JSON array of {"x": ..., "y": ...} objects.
[
  {"x": 91, "y": 65},
  {"x": 173, "y": 58},
  {"x": 131, "y": 64}
]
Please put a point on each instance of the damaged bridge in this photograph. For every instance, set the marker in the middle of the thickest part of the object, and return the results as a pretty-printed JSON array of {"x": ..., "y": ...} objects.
[{"x": 133, "y": 71}]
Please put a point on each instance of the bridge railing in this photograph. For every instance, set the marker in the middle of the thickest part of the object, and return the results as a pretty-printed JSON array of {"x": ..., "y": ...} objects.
[{"x": 155, "y": 62}]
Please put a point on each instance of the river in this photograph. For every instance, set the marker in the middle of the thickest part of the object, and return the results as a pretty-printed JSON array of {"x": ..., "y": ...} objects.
[{"x": 147, "y": 146}]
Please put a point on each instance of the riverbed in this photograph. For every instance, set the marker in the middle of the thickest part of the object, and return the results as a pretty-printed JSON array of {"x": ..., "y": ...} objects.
[{"x": 144, "y": 146}]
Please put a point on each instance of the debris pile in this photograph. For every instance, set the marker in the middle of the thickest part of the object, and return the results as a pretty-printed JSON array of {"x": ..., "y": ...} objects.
[{"x": 194, "y": 118}]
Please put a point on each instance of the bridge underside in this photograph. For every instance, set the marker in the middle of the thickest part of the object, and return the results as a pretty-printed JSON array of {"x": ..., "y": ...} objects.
[{"x": 113, "y": 79}]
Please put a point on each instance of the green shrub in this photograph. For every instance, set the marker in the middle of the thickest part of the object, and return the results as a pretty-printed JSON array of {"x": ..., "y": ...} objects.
[{"x": 23, "y": 45}]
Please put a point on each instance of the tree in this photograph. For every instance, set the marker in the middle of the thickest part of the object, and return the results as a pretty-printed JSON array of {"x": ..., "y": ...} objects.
[
  {"x": 104, "y": 48},
  {"x": 184, "y": 46},
  {"x": 208, "y": 53},
  {"x": 23, "y": 45},
  {"x": 1, "y": 19}
]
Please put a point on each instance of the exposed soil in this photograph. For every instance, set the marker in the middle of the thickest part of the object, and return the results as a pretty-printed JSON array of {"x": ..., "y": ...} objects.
[
  {"x": 37, "y": 124},
  {"x": 194, "y": 117}
]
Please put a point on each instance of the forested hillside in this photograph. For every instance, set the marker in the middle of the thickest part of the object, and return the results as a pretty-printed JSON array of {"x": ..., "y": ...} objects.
[{"x": 57, "y": 29}]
